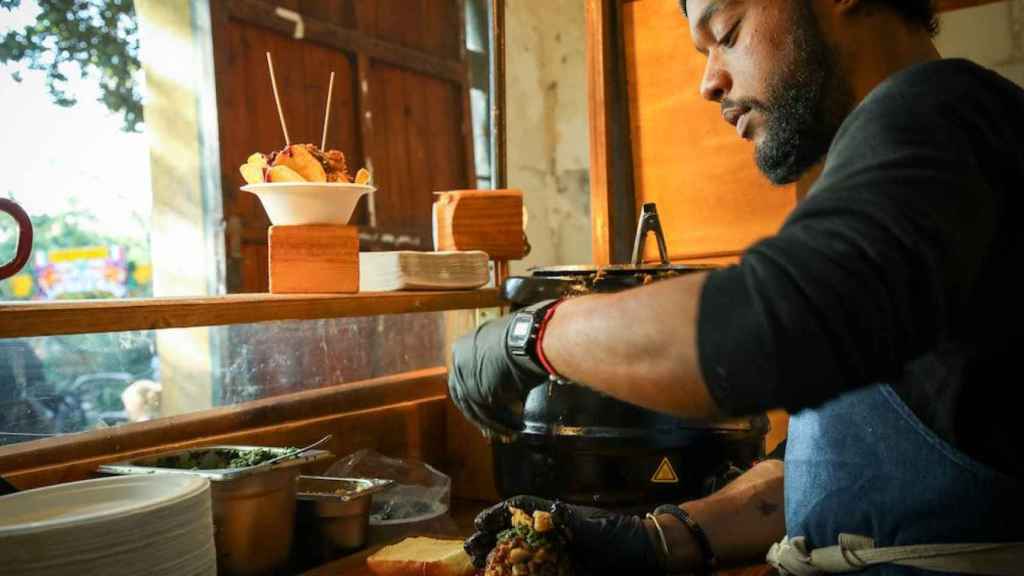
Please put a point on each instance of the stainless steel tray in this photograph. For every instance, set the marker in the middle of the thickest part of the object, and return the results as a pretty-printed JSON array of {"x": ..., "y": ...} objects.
[
  {"x": 330, "y": 489},
  {"x": 149, "y": 464}
]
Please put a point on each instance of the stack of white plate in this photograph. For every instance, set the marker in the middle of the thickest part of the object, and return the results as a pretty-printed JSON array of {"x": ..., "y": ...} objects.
[{"x": 158, "y": 524}]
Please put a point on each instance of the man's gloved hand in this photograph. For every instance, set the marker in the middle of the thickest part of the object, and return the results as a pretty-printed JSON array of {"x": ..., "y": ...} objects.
[
  {"x": 487, "y": 385},
  {"x": 599, "y": 542}
]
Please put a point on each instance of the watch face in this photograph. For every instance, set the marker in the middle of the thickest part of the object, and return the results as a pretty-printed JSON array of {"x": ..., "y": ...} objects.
[{"x": 520, "y": 331}]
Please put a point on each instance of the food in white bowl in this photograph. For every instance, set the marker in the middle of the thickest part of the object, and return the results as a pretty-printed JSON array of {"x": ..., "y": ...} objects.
[{"x": 303, "y": 185}]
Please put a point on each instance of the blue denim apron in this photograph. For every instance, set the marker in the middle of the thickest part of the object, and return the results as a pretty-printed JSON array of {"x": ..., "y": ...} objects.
[{"x": 864, "y": 464}]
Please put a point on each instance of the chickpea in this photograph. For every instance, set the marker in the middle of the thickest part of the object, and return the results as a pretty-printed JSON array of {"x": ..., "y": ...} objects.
[
  {"x": 542, "y": 521},
  {"x": 519, "y": 556}
]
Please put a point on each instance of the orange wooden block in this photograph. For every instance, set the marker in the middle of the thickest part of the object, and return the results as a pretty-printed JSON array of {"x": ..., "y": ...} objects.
[
  {"x": 314, "y": 258},
  {"x": 488, "y": 220}
]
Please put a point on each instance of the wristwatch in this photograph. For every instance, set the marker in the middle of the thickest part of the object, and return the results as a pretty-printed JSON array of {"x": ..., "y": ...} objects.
[{"x": 523, "y": 332}]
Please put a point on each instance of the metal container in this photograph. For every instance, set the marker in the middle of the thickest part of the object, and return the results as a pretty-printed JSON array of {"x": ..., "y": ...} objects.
[
  {"x": 253, "y": 507},
  {"x": 334, "y": 513}
]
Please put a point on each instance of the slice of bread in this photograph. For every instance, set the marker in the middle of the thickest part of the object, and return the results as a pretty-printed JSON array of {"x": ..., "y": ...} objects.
[{"x": 422, "y": 557}]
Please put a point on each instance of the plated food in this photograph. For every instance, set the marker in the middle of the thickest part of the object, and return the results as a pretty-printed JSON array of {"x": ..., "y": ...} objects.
[
  {"x": 300, "y": 163},
  {"x": 531, "y": 547}
]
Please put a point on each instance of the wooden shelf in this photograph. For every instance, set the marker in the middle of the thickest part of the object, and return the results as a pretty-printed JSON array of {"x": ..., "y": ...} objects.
[{"x": 19, "y": 319}]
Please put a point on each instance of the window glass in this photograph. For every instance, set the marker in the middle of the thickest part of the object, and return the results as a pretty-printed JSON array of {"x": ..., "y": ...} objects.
[
  {"x": 478, "y": 55},
  {"x": 79, "y": 165},
  {"x": 66, "y": 384}
]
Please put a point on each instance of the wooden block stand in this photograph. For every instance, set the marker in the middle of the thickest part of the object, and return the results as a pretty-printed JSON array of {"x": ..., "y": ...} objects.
[
  {"x": 315, "y": 258},
  {"x": 488, "y": 220}
]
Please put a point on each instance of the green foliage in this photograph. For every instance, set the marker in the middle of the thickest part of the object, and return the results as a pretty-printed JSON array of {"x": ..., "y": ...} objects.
[{"x": 100, "y": 36}]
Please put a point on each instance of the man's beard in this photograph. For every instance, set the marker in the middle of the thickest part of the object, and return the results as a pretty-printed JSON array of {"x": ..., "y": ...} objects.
[{"x": 805, "y": 106}]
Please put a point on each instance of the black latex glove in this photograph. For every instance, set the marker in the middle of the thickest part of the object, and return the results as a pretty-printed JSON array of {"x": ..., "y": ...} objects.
[
  {"x": 599, "y": 542},
  {"x": 487, "y": 384}
]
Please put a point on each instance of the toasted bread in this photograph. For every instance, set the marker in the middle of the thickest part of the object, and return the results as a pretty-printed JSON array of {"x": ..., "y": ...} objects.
[{"x": 422, "y": 557}]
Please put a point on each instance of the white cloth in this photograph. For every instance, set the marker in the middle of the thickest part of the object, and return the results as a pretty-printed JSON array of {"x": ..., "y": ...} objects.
[{"x": 854, "y": 553}]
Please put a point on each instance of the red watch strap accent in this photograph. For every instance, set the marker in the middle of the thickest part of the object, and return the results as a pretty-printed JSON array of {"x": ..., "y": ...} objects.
[{"x": 540, "y": 339}]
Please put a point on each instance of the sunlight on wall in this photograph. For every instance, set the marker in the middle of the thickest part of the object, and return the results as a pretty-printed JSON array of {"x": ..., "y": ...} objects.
[
  {"x": 991, "y": 35},
  {"x": 548, "y": 146},
  {"x": 183, "y": 260}
]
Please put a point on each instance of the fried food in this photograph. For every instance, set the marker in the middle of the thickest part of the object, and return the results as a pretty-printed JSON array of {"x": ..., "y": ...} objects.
[
  {"x": 253, "y": 174},
  {"x": 298, "y": 158},
  {"x": 334, "y": 163},
  {"x": 531, "y": 547},
  {"x": 283, "y": 174},
  {"x": 300, "y": 163}
]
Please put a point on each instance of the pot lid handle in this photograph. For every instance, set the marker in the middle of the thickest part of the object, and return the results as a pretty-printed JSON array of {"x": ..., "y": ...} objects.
[{"x": 649, "y": 222}]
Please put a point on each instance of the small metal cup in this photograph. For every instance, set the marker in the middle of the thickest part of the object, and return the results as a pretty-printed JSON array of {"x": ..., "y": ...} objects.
[{"x": 338, "y": 509}]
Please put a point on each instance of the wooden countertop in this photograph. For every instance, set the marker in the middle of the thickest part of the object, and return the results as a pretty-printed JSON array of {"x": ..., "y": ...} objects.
[{"x": 463, "y": 513}]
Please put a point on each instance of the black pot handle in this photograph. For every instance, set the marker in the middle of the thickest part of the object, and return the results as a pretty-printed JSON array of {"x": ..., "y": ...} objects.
[{"x": 6, "y": 487}]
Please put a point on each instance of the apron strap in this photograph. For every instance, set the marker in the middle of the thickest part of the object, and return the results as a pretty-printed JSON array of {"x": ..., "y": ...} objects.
[{"x": 854, "y": 553}]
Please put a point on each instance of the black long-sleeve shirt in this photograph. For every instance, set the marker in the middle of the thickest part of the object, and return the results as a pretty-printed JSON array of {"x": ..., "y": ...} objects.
[{"x": 898, "y": 267}]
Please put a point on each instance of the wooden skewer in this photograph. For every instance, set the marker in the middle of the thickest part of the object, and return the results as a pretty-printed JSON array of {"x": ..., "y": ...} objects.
[
  {"x": 280, "y": 113},
  {"x": 327, "y": 113}
]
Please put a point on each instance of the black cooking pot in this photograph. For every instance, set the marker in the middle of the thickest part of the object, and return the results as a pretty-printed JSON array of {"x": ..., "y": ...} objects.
[{"x": 585, "y": 447}]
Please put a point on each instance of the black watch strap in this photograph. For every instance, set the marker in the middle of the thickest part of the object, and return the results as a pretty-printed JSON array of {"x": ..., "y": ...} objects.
[
  {"x": 523, "y": 332},
  {"x": 708, "y": 559}
]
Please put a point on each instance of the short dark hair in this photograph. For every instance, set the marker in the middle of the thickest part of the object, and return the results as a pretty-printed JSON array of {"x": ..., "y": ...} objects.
[{"x": 921, "y": 12}]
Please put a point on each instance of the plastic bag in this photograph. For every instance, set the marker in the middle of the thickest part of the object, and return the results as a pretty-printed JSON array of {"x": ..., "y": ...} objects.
[{"x": 417, "y": 503}]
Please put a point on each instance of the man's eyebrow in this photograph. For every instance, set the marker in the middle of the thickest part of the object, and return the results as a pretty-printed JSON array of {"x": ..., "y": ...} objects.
[{"x": 709, "y": 12}]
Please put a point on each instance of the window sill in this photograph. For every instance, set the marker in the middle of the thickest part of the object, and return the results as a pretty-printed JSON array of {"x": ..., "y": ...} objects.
[{"x": 21, "y": 319}]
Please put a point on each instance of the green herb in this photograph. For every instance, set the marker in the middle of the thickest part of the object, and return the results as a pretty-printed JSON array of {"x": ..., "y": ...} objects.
[
  {"x": 529, "y": 536},
  {"x": 219, "y": 459}
]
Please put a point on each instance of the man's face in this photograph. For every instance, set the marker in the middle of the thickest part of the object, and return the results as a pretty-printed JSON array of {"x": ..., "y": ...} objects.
[{"x": 777, "y": 79}]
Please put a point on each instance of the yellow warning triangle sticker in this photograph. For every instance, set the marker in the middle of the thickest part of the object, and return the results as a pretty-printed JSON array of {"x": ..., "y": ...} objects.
[{"x": 665, "y": 474}]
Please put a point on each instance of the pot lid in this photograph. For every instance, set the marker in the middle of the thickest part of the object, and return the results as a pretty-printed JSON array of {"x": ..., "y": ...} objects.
[{"x": 615, "y": 269}]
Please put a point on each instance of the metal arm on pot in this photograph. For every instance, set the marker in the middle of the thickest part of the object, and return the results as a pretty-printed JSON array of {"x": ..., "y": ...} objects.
[{"x": 649, "y": 222}]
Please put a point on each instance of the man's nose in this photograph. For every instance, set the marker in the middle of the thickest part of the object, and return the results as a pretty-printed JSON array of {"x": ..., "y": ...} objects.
[{"x": 716, "y": 82}]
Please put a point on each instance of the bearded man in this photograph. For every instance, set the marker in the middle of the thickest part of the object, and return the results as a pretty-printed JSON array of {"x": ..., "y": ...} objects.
[{"x": 879, "y": 315}]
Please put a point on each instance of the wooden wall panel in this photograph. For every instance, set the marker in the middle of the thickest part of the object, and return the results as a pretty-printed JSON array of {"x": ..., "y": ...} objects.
[
  {"x": 423, "y": 150},
  {"x": 249, "y": 123},
  {"x": 711, "y": 199},
  {"x": 413, "y": 128},
  {"x": 428, "y": 25}
]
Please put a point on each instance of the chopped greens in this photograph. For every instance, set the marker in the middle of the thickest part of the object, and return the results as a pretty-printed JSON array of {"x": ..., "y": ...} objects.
[
  {"x": 529, "y": 535},
  {"x": 218, "y": 459}
]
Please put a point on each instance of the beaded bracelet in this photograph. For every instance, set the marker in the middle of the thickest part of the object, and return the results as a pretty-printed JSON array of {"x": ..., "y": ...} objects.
[{"x": 708, "y": 559}]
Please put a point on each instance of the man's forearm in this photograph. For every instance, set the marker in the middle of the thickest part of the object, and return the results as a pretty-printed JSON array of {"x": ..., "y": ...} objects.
[
  {"x": 741, "y": 521},
  {"x": 639, "y": 346}
]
